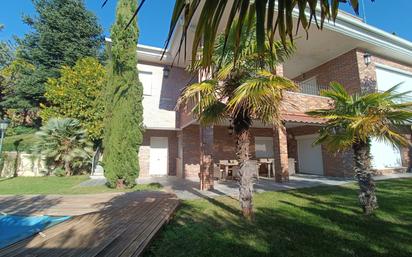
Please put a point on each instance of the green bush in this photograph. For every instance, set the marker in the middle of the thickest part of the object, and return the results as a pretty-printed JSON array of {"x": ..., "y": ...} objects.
[
  {"x": 21, "y": 143},
  {"x": 20, "y": 130},
  {"x": 59, "y": 172}
]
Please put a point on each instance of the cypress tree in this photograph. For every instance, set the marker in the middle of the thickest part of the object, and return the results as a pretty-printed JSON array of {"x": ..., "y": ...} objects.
[{"x": 124, "y": 110}]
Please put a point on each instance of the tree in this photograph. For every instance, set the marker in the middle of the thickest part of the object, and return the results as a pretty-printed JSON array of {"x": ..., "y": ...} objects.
[
  {"x": 243, "y": 92},
  {"x": 6, "y": 51},
  {"x": 124, "y": 111},
  {"x": 62, "y": 32},
  {"x": 78, "y": 94},
  {"x": 64, "y": 143},
  {"x": 267, "y": 23},
  {"x": 353, "y": 121},
  {"x": 17, "y": 95}
]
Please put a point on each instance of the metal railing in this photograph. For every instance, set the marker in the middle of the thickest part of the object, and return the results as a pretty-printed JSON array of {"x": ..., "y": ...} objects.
[{"x": 310, "y": 88}]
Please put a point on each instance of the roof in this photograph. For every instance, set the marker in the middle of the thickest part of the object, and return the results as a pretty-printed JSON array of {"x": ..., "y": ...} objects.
[{"x": 302, "y": 118}]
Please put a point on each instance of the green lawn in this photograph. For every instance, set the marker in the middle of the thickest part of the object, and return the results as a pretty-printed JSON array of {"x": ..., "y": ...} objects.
[
  {"x": 322, "y": 221},
  {"x": 58, "y": 185}
]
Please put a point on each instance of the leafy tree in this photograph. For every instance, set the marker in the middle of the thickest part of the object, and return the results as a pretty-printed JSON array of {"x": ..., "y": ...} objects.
[
  {"x": 64, "y": 144},
  {"x": 19, "y": 99},
  {"x": 6, "y": 51},
  {"x": 62, "y": 32},
  {"x": 242, "y": 92},
  {"x": 351, "y": 124},
  {"x": 78, "y": 94},
  {"x": 267, "y": 22},
  {"x": 124, "y": 110}
]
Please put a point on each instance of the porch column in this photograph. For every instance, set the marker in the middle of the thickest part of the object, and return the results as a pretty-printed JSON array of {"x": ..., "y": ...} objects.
[
  {"x": 281, "y": 154},
  {"x": 206, "y": 158}
]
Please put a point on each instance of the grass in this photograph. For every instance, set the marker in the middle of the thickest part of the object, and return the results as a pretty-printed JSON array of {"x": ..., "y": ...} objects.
[
  {"x": 322, "y": 221},
  {"x": 60, "y": 185}
]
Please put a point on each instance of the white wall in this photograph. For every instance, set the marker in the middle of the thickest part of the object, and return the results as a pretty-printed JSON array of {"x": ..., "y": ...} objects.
[
  {"x": 154, "y": 116},
  {"x": 385, "y": 155},
  {"x": 388, "y": 77}
]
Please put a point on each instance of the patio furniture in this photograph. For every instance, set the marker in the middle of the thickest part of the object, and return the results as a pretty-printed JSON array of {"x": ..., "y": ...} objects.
[
  {"x": 269, "y": 163},
  {"x": 227, "y": 167}
]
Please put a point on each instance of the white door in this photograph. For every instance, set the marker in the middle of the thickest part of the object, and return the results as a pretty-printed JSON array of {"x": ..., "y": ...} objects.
[
  {"x": 309, "y": 156},
  {"x": 159, "y": 154}
]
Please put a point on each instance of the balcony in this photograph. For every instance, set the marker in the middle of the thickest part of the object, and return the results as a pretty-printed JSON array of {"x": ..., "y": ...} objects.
[{"x": 310, "y": 88}]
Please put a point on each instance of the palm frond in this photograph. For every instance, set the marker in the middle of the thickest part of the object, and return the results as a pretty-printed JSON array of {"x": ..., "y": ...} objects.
[
  {"x": 200, "y": 97},
  {"x": 261, "y": 97},
  {"x": 267, "y": 23},
  {"x": 360, "y": 117}
]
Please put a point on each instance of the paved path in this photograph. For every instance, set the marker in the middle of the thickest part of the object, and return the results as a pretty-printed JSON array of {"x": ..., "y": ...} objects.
[
  {"x": 112, "y": 225},
  {"x": 188, "y": 189}
]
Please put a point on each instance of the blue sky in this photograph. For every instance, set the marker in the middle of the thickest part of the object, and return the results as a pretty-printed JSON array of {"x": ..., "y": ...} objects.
[{"x": 155, "y": 16}]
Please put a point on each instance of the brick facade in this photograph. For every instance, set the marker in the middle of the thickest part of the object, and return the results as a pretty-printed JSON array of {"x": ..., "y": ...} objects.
[
  {"x": 144, "y": 152},
  {"x": 349, "y": 69}
]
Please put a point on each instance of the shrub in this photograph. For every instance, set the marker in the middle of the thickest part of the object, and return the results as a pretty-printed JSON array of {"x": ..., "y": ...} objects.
[{"x": 64, "y": 144}]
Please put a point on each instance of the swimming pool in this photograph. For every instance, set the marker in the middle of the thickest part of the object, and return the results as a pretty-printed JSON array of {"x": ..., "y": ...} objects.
[{"x": 14, "y": 228}]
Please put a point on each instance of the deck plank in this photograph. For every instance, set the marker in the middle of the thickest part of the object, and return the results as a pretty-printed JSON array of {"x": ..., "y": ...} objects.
[{"x": 102, "y": 225}]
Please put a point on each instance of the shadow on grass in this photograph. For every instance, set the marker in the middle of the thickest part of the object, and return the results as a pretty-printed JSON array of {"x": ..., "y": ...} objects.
[{"x": 324, "y": 221}]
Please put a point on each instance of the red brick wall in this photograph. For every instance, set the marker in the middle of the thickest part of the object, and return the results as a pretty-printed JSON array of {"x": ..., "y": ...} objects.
[
  {"x": 334, "y": 164},
  {"x": 342, "y": 69},
  {"x": 191, "y": 151}
]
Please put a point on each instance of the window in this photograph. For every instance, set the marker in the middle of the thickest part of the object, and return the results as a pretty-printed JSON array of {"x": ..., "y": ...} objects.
[
  {"x": 264, "y": 147},
  {"x": 145, "y": 78},
  {"x": 309, "y": 86}
]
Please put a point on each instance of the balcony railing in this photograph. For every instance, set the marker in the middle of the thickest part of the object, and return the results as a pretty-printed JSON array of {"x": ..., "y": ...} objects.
[{"x": 310, "y": 88}]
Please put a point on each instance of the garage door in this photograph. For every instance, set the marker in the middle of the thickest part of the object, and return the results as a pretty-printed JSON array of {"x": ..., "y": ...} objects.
[{"x": 309, "y": 156}]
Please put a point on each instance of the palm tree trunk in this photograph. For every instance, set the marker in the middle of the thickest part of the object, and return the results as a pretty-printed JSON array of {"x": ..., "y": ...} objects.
[
  {"x": 363, "y": 173},
  {"x": 247, "y": 168},
  {"x": 67, "y": 168}
]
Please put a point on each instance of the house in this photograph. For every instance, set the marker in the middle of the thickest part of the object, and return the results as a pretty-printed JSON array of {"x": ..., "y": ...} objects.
[{"x": 355, "y": 54}]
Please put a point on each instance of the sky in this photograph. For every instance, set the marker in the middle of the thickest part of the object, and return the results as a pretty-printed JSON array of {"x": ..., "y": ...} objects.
[{"x": 392, "y": 16}]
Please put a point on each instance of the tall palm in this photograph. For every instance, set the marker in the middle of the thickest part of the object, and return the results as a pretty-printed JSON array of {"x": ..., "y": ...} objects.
[
  {"x": 242, "y": 92},
  {"x": 64, "y": 143},
  {"x": 351, "y": 124},
  {"x": 267, "y": 22}
]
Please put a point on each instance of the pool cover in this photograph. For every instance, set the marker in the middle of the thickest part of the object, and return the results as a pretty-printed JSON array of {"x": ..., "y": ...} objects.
[{"x": 14, "y": 228}]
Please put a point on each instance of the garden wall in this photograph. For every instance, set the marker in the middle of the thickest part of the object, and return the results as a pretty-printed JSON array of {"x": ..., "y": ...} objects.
[{"x": 27, "y": 165}]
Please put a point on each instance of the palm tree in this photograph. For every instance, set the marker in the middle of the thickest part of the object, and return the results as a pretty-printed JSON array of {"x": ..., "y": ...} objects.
[
  {"x": 64, "y": 143},
  {"x": 242, "y": 91},
  {"x": 267, "y": 23},
  {"x": 351, "y": 124}
]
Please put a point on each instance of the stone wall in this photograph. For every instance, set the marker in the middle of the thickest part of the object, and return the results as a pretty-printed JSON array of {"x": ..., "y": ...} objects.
[{"x": 27, "y": 165}]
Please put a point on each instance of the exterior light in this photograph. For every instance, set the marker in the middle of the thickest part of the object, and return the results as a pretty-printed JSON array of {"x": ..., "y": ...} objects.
[
  {"x": 166, "y": 72},
  {"x": 3, "y": 126},
  {"x": 230, "y": 128},
  {"x": 367, "y": 57}
]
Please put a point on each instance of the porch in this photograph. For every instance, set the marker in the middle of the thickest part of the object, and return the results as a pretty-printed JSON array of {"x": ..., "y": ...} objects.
[{"x": 278, "y": 152}]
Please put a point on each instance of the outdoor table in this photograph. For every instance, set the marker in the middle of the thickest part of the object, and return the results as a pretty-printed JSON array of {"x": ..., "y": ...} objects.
[
  {"x": 269, "y": 162},
  {"x": 227, "y": 166}
]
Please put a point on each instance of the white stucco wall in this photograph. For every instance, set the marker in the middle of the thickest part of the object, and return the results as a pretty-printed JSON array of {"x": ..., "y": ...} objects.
[
  {"x": 384, "y": 154},
  {"x": 155, "y": 115}
]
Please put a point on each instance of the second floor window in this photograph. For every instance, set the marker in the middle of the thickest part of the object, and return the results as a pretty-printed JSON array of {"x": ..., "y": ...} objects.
[{"x": 146, "y": 78}]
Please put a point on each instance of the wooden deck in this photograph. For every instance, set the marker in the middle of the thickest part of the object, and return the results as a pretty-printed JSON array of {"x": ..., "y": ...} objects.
[{"x": 115, "y": 225}]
